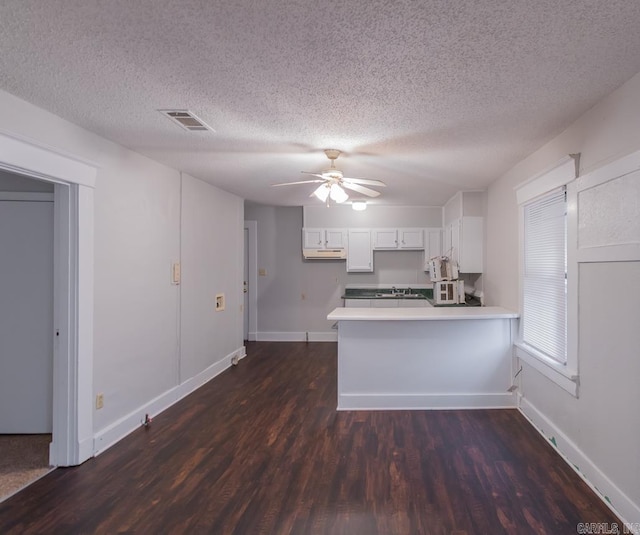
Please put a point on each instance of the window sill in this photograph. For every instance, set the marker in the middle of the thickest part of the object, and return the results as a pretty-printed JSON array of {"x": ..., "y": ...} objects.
[{"x": 554, "y": 371}]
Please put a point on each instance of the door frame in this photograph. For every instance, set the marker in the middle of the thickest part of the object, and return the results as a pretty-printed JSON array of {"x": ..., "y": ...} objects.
[
  {"x": 252, "y": 229},
  {"x": 74, "y": 182}
]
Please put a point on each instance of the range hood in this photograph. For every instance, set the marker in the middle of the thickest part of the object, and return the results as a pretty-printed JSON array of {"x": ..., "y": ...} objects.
[{"x": 324, "y": 254}]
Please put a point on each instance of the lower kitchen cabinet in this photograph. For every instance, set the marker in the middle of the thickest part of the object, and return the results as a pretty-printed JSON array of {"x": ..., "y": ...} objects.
[
  {"x": 357, "y": 303},
  {"x": 384, "y": 303}
]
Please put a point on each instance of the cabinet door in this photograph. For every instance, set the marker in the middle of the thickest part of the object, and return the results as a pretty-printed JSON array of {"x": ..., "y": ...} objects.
[
  {"x": 455, "y": 241},
  {"x": 335, "y": 238},
  {"x": 471, "y": 244},
  {"x": 446, "y": 240},
  {"x": 384, "y": 303},
  {"x": 385, "y": 238},
  {"x": 312, "y": 238},
  {"x": 359, "y": 253},
  {"x": 357, "y": 303},
  {"x": 411, "y": 238},
  {"x": 432, "y": 245},
  {"x": 415, "y": 303}
]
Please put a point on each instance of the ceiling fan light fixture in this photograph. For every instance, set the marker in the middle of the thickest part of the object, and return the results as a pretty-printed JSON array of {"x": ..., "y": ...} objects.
[
  {"x": 322, "y": 193},
  {"x": 359, "y": 206},
  {"x": 337, "y": 194}
]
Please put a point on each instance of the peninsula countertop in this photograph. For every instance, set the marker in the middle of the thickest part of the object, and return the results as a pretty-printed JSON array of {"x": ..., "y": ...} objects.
[{"x": 421, "y": 314}]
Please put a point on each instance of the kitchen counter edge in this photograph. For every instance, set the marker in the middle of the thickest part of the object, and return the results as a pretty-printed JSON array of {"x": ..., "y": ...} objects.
[{"x": 420, "y": 314}]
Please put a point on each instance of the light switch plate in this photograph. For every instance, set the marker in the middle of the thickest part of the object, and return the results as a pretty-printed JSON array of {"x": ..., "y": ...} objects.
[{"x": 175, "y": 273}]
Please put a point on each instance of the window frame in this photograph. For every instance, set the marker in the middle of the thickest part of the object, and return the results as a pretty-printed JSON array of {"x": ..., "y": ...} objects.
[{"x": 563, "y": 173}]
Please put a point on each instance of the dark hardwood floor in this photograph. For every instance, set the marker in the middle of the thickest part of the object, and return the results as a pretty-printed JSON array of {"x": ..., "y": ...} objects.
[{"x": 261, "y": 449}]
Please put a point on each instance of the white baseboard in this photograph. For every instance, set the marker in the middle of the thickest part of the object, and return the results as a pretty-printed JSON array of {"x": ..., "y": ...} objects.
[
  {"x": 298, "y": 336},
  {"x": 425, "y": 401},
  {"x": 606, "y": 489},
  {"x": 111, "y": 434}
]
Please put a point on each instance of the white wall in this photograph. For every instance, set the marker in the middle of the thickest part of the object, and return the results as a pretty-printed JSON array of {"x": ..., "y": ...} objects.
[
  {"x": 212, "y": 263},
  {"x": 137, "y": 353},
  {"x": 296, "y": 295},
  {"x": 602, "y": 423},
  {"x": 375, "y": 216}
]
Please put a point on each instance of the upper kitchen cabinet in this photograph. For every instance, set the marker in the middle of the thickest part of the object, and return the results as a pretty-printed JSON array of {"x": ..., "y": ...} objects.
[
  {"x": 359, "y": 253},
  {"x": 398, "y": 238},
  {"x": 320, "y": 238},
  {"x": 464, "y": 230},
  {"x": 432, "y": 245}
]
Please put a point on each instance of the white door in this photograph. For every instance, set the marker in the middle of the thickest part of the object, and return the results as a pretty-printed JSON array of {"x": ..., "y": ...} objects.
[
  {"x": 245, "y": 285},
  {"x": 26, "y": 316}
]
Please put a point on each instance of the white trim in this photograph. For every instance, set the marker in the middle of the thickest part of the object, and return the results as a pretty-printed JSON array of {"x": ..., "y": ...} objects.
[
  {"x": 618, "y": 168},
  {"x": 116, "y": 431},
  {"x": 382, "y": 401},
  {"x": 252, "y": 228},
  {"x": 297, "y": 336},
  {"x": 555, "y": 371},
  {"x": 611, "y": 495},
  {"x": 563, "y": 173},
  {"x": 619, "y": 252},
  {"x": 74, "y": 180},
  {"x": 559, "y": 174},
  {"x": 626, "y": 252},
  {"x": 26, "y": 196},
  {"x": 51, "y": 164}
]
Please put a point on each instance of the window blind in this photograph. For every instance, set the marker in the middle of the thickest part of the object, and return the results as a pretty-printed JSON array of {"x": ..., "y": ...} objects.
[{"x": 544, "y": 314}]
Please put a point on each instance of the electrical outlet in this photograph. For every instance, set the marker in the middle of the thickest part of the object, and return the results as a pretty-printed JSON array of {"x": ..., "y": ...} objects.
[{"x": 99, "y": 401}]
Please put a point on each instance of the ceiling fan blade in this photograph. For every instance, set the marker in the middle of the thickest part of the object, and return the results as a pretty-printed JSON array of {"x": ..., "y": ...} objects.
[
  {"x": 312, "y": 174},
  {"x": 360, "y": 189},
  {"x": 299, "y": 182},
  {"x": 365, "y": 181}
]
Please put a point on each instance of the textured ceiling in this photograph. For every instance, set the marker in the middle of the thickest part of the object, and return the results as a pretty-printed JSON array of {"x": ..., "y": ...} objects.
[{"x": 429, "y": 96}]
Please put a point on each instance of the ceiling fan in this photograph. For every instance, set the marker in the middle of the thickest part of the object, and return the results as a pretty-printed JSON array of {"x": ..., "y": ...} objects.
[{"x": 333, "y": 183}]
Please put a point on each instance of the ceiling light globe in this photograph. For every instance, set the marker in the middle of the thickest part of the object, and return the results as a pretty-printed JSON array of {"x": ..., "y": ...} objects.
[
  {"x": 322, "y": 193},
  {"x": 338, "y": 194}
]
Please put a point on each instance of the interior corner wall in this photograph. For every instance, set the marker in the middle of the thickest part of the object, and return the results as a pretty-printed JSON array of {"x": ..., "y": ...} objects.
[
  {"x": 136, "y": 354},
  {"x": 600, "y": 425}
]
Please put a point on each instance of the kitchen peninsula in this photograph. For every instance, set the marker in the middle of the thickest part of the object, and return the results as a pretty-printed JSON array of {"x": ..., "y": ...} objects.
[{"x": 424, "y": 358}]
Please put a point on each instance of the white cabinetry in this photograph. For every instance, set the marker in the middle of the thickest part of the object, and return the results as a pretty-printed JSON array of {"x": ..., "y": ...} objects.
[
  {"x": 357, "y": 303},
  {"x": 432, "y": 245},
  {"x": 359, "y": 252},
  {"x": 411, "y": 238},
  {"x": 463, "y": 237},
  {"x": 320, "y": 238},
  {"x": 466, "y": 243},
  {"x": 398, "y": 238},
  {"x": 402, "y": 303},
  {"x": 385, "y": 238}
]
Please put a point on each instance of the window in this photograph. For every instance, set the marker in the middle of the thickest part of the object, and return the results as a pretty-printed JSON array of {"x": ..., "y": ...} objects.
[
  {"x": 544, "y": 307},
  {"x": 548, "y": 283}
]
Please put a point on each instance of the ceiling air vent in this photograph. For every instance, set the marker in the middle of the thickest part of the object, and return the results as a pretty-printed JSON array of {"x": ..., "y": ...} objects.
[{"x": 187, "y": 120}]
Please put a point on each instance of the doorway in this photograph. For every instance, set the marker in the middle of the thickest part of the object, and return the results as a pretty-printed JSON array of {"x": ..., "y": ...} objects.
[
  {"x": 73, "y": 182},
  {"x": 250, "y": 284}
]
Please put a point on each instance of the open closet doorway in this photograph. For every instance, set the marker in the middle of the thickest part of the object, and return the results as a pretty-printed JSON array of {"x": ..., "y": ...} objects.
[{"x": 71, "y": 331}]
